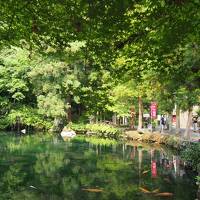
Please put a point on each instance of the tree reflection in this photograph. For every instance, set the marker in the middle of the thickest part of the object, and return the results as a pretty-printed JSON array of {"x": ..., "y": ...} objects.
[{"x": 65, "y": 170}]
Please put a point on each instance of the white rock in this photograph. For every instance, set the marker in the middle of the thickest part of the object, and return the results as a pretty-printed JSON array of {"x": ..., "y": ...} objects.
[
  {"x": 68, "y": 133},
  {"x": 23, "y": 131}
]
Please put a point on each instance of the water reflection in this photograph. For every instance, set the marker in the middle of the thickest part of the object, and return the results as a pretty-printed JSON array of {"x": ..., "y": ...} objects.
[{"x": 48, "y": 168}]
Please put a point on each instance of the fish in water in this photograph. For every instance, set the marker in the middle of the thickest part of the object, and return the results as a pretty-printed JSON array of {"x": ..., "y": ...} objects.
[
  {"x": 164, "y": 194},
  {"x": 145, "y": 172},
  {"x": 144, "y": 190},
  {"x": 92, "y": 190}
]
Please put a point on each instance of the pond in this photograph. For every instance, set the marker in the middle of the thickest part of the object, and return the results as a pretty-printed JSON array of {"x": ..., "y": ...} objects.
[{"x": 46, "y": 167}]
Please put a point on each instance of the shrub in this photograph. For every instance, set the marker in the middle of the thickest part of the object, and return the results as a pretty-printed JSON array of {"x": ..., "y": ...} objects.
[
  {"x": 78, "y": 128},
  {"x": 101, "y": 130},
  {"x": 28, "y": 117},
  {"x": 4, "y": 123},
  {"x": 191, "y": 154},
  {"x": 104, "y": 130}
]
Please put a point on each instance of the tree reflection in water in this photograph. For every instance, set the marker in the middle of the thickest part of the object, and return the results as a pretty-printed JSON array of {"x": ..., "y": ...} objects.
[{"x": 42, "y": 167}]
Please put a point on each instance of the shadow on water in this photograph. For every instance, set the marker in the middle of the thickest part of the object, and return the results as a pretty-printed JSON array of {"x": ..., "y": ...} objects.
[{"x": 45, "y": 167}]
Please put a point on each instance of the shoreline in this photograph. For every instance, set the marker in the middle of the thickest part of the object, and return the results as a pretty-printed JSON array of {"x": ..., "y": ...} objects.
[{"x": 172, "y": 141}]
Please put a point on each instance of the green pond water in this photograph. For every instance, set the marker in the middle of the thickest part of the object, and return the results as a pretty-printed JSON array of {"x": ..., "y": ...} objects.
[{"x": 46, "y": 167}]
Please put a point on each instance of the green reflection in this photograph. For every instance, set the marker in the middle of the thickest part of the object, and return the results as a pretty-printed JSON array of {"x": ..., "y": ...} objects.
[{"x": 45, "y": 167}]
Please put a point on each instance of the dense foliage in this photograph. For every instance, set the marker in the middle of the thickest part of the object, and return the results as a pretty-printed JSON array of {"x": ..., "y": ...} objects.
[{"x": 63, "y": 61}]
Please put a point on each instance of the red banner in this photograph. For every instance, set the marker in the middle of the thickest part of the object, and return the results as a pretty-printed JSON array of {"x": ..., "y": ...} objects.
[
  {"x": 153, "y": 169},
  {"x": 153, "y": 110}
]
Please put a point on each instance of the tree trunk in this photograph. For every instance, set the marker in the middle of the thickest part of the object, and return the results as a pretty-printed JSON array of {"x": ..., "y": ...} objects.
[
  {"x": 177, "y": 120},
  {"x": 188, "y": 125},
  {"x": 132, "y": 122},
  {"x": 123, "y": 120},
  {"x": 97, "y": 117},
  {"x": 114, "y": 119},
  {"x": 126, "y": 121},
  {"x": 132, "y": 117},
  {"x": 69, "y": 109},
  {"x": 140, "y": 112},
  {"x": 170, "y": 122},
  {"x": 92, "y": 119},
  {"x": 56, "y": 124},
  {"x": 79, "y": 110},
  {"x": 118, "y": 121},
  {"x": 18, "y": 124},
  {"x": 100, "y": 117}
]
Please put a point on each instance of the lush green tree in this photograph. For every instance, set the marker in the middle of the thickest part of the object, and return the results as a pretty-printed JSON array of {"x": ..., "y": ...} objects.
[{"x": 151, "y": 43}]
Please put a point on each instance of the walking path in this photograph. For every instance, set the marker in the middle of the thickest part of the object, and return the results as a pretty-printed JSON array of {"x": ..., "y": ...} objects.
[{"x": 194, "y": 136}]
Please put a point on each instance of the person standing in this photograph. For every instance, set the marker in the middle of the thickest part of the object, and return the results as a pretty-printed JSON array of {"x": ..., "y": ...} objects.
[
  {"x": 162, "y": 123},
  {"x": 194, "y": 120}
]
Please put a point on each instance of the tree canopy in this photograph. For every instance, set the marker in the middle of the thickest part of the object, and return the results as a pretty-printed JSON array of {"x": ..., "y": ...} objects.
[{"x": 69, "y": 60}]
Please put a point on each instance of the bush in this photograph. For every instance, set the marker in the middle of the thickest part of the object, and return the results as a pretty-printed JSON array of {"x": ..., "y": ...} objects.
[
  {"x": 28, "y": 117},
  {"x": 191, "y": 154},
  {"x": 78, "y": 128},
  {"x": 4, "y": 123},
  {"x": 101, "y": 130},
  {"x": 104, "y": 130}
]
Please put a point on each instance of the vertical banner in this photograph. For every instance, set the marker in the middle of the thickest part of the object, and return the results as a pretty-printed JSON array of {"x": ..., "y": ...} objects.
[
  {"x": 153, "y": 110},
  {"x": 153, "y": 169}
]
